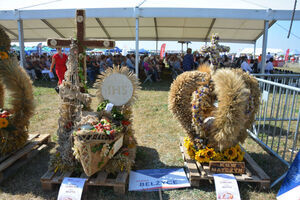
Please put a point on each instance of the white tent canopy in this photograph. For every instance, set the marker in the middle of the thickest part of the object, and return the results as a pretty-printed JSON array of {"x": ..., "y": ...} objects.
[
  {"x": 241, "y": 21},
  {"x": 258, "y": 51},
  {"x": 236, "y": 21}
]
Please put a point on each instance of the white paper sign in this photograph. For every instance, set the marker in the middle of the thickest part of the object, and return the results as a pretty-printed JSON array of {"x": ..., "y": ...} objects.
[
  {"x": 117, "y": 88},
  {"x": 71, "y": 189},
  {"x": 265, "y": 95},
  {"x": 154, "y": 179},
  {"x": 226, "y": 187},
  {"x": 109, "y": 107},
  {"x": 117, "y": 145}
]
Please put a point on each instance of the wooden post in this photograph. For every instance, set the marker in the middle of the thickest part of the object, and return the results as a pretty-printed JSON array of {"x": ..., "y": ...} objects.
[{"x": 81, "y": 42}]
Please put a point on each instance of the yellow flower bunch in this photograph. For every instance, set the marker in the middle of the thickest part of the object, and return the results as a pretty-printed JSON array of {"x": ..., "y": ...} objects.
[
  {"x": 3, "y": 55},
  {"x": 208, "y": 153}
]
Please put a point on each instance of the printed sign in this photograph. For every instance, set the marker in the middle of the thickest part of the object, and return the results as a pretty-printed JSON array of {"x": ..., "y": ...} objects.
[
  {"x": 71, "y": 189},
  {"x": 117, "y": 145},
  {"x": 109, "y": 107},
  {"x": 227, "y": 167},
  {"x": 226, "y": 187},
  {"x": 265, "y": 95},
  {"x": 117, "y": 88},
  {"x": 155, "y": 179},
  {"x": 290, "y": 188}
]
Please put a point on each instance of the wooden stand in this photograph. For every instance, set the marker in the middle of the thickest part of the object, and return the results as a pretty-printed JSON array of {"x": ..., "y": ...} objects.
[
  {"x": 10, "y": 163},
  {"x": 198, "y": 172},
  {"x": 52, "y": 179}
]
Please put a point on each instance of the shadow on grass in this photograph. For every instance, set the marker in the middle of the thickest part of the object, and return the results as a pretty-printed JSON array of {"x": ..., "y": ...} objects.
[
  {"x": 27, "y": 179},
  {"x": 270, "y": 164},
  {"x": 46, "y": 84}
]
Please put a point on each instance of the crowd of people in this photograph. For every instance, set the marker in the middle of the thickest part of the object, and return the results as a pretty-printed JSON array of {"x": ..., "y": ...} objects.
[{"x": 55, "y": 66}]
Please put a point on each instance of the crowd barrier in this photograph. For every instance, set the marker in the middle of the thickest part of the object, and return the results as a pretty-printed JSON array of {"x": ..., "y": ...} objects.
[{"x": 277, "y": 122}]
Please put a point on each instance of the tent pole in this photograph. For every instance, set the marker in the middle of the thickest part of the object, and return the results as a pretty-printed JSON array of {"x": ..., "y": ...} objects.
[
  {"x": 156, "y": 47},
  {"x": 182, "y": 48},
  {"x": 137, "y": 46},
  {"x": 264, "y": 46},
  {"x": 21, "y": 42},
  {"x": 254, "y": 50}
]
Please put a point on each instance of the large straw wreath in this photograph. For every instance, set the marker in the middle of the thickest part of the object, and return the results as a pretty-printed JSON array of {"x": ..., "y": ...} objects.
[
  {"x": 215, "y": 109},
  {"x": 14, "y": 122}
]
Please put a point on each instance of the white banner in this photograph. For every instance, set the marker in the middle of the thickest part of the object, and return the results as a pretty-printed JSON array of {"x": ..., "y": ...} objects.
[{"x": 155, "y": 179}]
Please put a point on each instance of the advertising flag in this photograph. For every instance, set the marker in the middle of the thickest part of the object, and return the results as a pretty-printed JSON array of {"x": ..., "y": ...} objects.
[{"x": 162, "y": 50}]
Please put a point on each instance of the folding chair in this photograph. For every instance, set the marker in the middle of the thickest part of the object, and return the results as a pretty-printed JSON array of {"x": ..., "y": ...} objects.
[
  {"x": 45, "y": 75},
  {"x": 148, "y": 77}
]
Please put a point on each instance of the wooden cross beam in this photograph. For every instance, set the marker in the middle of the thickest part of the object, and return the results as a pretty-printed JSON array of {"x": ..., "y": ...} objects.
[{"x": 81, "y": 42}]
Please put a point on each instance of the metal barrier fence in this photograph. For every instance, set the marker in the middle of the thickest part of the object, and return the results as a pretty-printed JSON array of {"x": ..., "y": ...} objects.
[
  {"x": 287, "y": 79},
  {"x": 277, "y": 122}
]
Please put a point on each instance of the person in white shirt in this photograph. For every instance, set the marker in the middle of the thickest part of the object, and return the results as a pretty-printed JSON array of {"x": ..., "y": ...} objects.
[
  {"x": 245, "y": 66},
  {"x": 269, "y": 66},
  {"x": 268, "y": 56}
]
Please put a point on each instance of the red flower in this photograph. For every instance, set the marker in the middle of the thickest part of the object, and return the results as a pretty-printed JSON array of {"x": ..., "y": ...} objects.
[
  {"x": 126, "y": 153},
  {"x": 125, "y": 123}
]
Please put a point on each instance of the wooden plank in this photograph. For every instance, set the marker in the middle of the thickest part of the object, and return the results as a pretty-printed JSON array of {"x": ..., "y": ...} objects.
[
  {"x": 122, "y": 177},
  {"x": 255, "y": 167},
  {"x": 57, "y": 177},
  {"x": 48, "y": 175},
  {"x": 14, "y": 168},
  {"x": 30, "y": 137},
  {"x": 203, "y": 173},
  {"x": 22, "y": 152},
  {"x": 194, "y": 172},
  {"x": 101, "y": 177},
  {"x": 83, "y": 175}
]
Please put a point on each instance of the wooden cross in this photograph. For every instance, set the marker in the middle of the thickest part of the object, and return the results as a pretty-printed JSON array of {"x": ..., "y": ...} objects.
[{"x": 81, "y": 42}]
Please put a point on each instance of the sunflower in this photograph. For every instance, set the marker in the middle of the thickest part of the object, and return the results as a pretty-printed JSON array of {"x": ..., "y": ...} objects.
[
  {"x": 218, "y": 157},
  {"x": 191, "y": 151},
  {"x": 230, "y": 153},
  {"x": 200, "y": 157},
  {"x": 186, "y": 142},
  {"x": 209, "y": 153},
  {"x": 238, "y": 148},
  {"x": 3, "y": 55},
  {"x": 240, "y": 156},
  {"x": 3, "y": 123}
]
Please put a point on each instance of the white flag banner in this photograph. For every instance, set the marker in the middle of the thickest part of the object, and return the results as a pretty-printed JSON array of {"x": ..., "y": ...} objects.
[{"x": 226, "y": 187}]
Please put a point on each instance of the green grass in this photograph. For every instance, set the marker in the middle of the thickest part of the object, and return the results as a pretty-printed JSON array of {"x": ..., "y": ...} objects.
[{"x": 158, "y": 135}]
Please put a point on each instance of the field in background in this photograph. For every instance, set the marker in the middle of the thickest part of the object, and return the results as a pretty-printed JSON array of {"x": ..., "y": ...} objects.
[
  {"x": 157, "y": 133},
  {"x": 295, "y": 67}
]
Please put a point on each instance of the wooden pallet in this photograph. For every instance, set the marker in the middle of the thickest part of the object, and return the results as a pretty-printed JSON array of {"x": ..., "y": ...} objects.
[
  {"x": 10, "y": 163},
  {"x": 51, "y": 179},
  {"x": 198, "y": 172}
]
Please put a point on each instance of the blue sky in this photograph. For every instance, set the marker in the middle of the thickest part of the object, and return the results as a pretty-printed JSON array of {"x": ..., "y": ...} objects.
[{"x": 277, "y": 38}]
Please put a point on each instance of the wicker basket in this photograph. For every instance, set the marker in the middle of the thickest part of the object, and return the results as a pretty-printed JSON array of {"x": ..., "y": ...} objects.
[{"x": 95, "y": 150}]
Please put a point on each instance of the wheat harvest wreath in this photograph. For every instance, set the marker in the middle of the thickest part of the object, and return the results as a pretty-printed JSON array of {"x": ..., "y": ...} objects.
[
  {"x": 14, "y": 121},
  {"x": 215, "y": 107}
]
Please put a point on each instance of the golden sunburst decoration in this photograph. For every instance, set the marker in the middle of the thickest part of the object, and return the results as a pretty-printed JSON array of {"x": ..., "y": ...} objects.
[{"x": 126, "y": 75}]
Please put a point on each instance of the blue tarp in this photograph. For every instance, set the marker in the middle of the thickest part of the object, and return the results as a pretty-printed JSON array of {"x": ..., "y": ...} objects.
[
  {"x": 114, "y": 50},
  {"x": 144, "y": 51}
]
